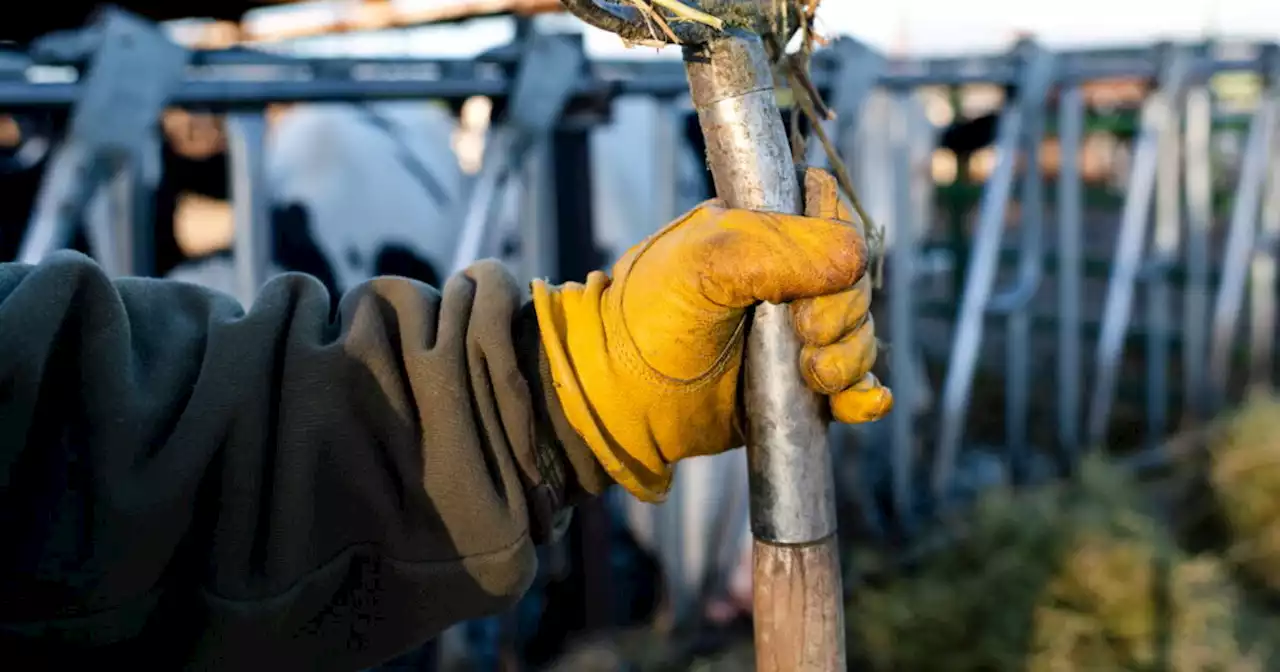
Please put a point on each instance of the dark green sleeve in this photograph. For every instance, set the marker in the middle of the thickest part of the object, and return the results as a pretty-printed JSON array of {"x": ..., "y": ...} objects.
[{"x": 186, "y": 485}]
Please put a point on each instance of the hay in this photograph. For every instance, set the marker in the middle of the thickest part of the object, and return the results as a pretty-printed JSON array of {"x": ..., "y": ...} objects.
[
  {"x": 1068, "y": 577},
  {"x": 1244, "y": 476}
]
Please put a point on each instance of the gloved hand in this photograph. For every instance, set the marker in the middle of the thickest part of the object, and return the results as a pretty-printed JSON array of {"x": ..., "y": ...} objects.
[{"x": 647, "y": 366}]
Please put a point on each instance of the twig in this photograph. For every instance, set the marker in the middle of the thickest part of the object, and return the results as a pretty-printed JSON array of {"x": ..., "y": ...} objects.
[
  {"x": 687, "y": 13},
  {"x": 837, "y": 165},
  {"x": 653, "y": 18},
  {"x": 807, "y": 97},
  {"x": 798, "y": 69}
]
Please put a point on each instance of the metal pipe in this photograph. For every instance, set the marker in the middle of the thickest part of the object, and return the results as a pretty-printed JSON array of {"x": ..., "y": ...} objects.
[
  {"x": 1018, "y": 329},
  {"x": 977, "y": 301},
  {"x": 1164, "y": 244},
  {"x": 792, "y": 485},
  {"x": 1262, "y": 278},
  {"x": 902, "y": 251},
  {"x": 1031, "y": 257},
  {"x": 1070, "y": 221},
  {"x": 250, "y": 203},
  {"x": 73, "y": 175},
  {"x": 483, "y": 200},
  {"x": 1197, "y": 159},
  {"x": 750, "y": 160},
  {"x": 539, "y": 248},
  {"x": 312, "y": 80},
  {"x": 129, "y": 199},
  {"x": 543, "y": 84},
  {"x": 1124, "y": 271},
  {"x": 973, "y": 304},
  {"x": 1016, "y": 302},
  {"x": 1240, "y": 241}
]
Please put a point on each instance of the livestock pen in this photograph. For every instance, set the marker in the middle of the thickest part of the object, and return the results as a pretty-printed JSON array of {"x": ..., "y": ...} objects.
[{"x": 1079, "y": 246}]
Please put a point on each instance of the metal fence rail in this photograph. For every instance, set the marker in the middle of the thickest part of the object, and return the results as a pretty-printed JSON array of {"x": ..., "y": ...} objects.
[{"x": 1163, "y": 264}]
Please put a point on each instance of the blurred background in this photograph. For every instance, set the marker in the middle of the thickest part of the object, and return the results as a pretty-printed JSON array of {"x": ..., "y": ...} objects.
[{"x": 1075, "y": 209}]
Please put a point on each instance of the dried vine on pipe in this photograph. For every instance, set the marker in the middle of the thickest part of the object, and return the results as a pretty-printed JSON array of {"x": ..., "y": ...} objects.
[
  {"x": 784, "y": 18},
  {"x": 658, "y": 14},
  {"x": 795, "y": 68}
]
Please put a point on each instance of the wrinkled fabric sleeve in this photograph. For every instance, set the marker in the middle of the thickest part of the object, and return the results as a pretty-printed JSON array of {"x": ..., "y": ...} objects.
[{"x": 198, "y": 487}]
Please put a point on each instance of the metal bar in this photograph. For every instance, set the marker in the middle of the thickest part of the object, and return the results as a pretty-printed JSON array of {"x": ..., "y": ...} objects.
[
  {"x": 1070, "y": 222},
  {"x": 1262, "y": 278},
  {"x": 72, "y": 177},
  {"x": 1016, "y": 300},
  {"x": 483, "y": 200},
  {"x": 666, "y": 178},
  {"x": 1129, "y": 253},
  {"x": 1018, "y": 329},
  {"x": 100, "y": 232},
  {"x": 250, "y": 203},
  {"x": 1073, "y": 60},
  {"x": 577, "y": 254},
  {"x": 539, "y": 254},
  {"x": 1240, "y": 241},
  {"x": 119, "y": 218},
  {"x": 462, "y": 80},
  {"x": 750, "y": 160},
  {"x": 544, "y": 82},
  {"x": 973, "y": 304},
  {"x": 792, "y": 484},
  {"x": 1164, "y": 251},
  {"x": 923, "y": 143},
  {"x": 130, "y": 200},
  {"x": 1197, "y": 159},
  {"x": 859, "y": 68},
  {"x": 902, "y": 274},
  {"x": 977, "y": 298}
]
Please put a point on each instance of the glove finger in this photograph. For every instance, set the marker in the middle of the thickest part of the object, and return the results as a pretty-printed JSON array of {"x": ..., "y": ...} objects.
[
  {"x": 822, "y": 196},
  {"x": 747, "y": 257},
  {"x": 823, "y": 320},
  {"x": 867, "y": 401},
  {"x": 832, "y": 368}
]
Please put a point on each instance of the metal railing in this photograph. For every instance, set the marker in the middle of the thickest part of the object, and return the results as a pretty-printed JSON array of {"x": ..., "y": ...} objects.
[{"x": 881, "y": 130}]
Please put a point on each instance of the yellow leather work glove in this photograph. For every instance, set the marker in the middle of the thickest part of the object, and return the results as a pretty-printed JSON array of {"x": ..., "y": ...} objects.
[{"x": 647, "y": 366}]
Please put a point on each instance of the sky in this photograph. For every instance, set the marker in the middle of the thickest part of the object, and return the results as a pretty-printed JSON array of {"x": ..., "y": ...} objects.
[
  {"x": 948, "y": 26},
  {"x": 921, "y": 27}
]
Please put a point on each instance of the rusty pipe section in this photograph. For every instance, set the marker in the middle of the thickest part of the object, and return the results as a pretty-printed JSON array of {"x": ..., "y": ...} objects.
[{"x": 792, "y": 487}]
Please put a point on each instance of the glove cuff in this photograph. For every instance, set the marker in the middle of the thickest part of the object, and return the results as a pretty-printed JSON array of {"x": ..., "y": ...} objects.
[{"x": 627, "y": 450}]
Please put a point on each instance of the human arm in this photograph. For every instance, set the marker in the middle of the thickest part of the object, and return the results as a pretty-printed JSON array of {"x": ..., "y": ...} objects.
[
  {"x": 180, "y": 479},
  {"x": 287, "y": 489}
]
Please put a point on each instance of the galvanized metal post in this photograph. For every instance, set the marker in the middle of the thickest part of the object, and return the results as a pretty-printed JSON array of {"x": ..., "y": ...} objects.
[
  {"x": 111, "y": 145},
  {"x": 1160, "y": 111},
  {"x": 1262, "y": 267},
  {"x": 1241, "y": 238},
  {"x": 1197, "y": 160},
  {"x": 251, "y": 209},
  {"x": 1165, "y": 240},
  {"x": 902, "y": 309},
  {"x": 1018, "y": 299},
  {"x": 799, "y": 621},
  {"x": 979, "y": 296},
  {"x": 1070, "y": 221},
  {"x": 549, "y": 68}
]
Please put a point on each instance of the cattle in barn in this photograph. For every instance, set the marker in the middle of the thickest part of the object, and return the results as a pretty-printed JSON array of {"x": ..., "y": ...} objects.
[
  {"x": 22, "y": 166},
  {"x": 357, "y": 191}
]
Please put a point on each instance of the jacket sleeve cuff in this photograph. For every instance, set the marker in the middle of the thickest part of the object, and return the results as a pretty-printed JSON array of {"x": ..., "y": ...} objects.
[{"x": 567, "y": 470}]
